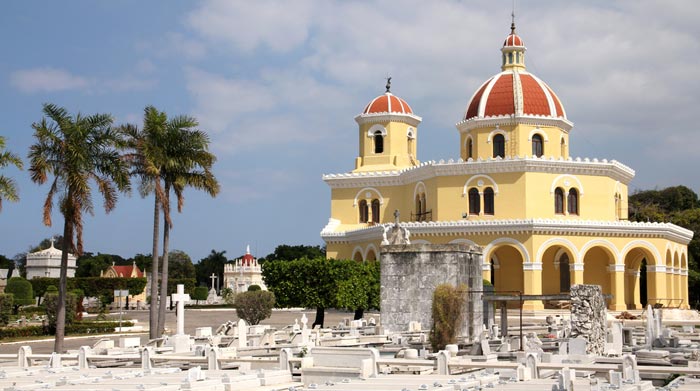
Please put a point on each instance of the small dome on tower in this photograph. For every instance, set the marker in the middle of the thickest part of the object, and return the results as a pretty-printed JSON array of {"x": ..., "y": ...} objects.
[
  {"x": 513, "y": 39},
  {"x": 387, "y": 103}
]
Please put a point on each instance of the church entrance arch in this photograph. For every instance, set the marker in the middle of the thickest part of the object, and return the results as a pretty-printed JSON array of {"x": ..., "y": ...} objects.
[
  {"x": 596, "y": 267},
  {"x": 556, "y": 270},
  {"x": 507, "y": 269},
  {"x": 637, "y": 290}
]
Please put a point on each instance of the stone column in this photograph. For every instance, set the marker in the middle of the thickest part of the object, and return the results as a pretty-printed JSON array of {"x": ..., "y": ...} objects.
[
  {"x": 669, "y": 284},
  {"x": 684, "y": 288},
  {"x": 633, "y": 286},
  {"x": 532, "y": 284},
  {"x": 677, "y": 286},
  {"x": 576, "y": 273},
  {"x": 617, "y": 287},
  {"x": 656, "y": 282}
]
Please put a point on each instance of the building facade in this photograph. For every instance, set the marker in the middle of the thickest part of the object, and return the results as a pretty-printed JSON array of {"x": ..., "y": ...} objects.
[
  {"x": 127, "y": 271},
  {"x": 47, "y": 263},
  {"x": 242, "y": 273},
  {"x": 544, "y": 219}
]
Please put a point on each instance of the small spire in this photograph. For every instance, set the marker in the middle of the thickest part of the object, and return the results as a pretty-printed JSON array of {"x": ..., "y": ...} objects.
[
  {"x": 52, "y": 240},
  {"x": 388, "y": 84},
  {"x": 247, "y": 249},
  {"x": 512, "y": 22}
]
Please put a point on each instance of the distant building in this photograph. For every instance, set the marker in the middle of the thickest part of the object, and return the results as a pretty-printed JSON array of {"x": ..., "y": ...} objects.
[
  {"x": 242, "y": 273},
  {"x": 47, "y": 263},
  {"x": 5, "y": 275},
  {"x": 126, "y": 271}
]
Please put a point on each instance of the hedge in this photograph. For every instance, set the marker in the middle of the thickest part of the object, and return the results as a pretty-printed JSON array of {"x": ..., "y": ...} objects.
[{"x": 77, "y": 328}]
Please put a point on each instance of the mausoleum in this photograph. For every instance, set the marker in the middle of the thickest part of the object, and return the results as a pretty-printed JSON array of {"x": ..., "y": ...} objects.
[
  {"x": 545, "y": 220},
  {"x": 47, "y": 263},
  {"x": 243, "y": 272}
]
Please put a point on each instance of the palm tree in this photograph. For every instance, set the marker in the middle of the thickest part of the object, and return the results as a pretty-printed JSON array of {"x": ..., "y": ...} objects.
[
  {"x": 190, "y": 166},
  {"x": 75, "y": 150},
  {"x": 148, "y": 156},
  {"x": 168, "y": 155},
  {"x": 8, "y": 189}
]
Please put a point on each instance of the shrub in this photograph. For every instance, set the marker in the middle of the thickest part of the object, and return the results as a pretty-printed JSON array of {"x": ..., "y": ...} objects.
[
  {"x": 22, "y": 291},
  {"x": 254, "y": 306},
  {"x": 51, "y": 305},
  {"x": 228, "y": 295},
  {"x": 254, "y": 288},
  {"x": 448, "y": 304},
  {"x": 6, "y": 304},
  {"x": 200, "y": 293}
]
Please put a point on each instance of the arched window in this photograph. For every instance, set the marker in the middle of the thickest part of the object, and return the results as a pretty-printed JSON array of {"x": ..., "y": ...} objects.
[
  {"x": 572, "y": 202},
  {"x": 563, "y": 148},
  {"x": 559, "y": 201},
  {"x": 378, "y": 142},
  {"x": 474, "y": 202},
  {"x": 517, "y": 57},
  {"x": 564, "y": 275},
  {"x": 617, "y": 206},
  {"x": 510, "y": 58},
  {"x": 488, "y": 201},
  {"x": 470, "y": 147},
  {"x": 537, "y": 145},
  {"x": 499, "y": 146},
  {"x": 418, "y": 207},
  {"x": 375, "y": 211},
  {"x": 364, "y": 212}
]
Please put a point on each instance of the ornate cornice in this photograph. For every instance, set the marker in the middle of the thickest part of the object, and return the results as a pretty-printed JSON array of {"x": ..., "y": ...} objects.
[
  {"x": 511, "y": 227},
  {"x": 410, "y": 119},
  {"x": 612, "y": 169},
  {"x": 511, "y": 120}
]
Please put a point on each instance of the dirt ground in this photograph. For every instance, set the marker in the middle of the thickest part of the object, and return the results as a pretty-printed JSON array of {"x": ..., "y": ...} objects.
[{"x": 193, "y": 318}]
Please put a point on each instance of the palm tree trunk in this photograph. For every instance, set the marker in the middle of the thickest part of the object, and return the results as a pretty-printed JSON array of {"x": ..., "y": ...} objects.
[
  {"x": 62, "y": 287},
  {"x": 153, "y": 308},
  {"x": 164, "y": 272}
]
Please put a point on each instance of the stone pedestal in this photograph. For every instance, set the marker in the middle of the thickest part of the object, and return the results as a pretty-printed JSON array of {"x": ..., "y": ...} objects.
[{"x": 409, "y": 275}]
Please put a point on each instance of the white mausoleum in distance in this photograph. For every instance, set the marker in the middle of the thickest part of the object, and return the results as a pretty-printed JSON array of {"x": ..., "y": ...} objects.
[
  {"x": 47, "y": 263},
  {"x": 242, "y": 273}
]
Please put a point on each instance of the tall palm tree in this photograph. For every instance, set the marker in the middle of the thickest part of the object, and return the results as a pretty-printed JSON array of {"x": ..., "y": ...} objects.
[
  {"x": 167, "y": 155},
  {"x": 8, "y": 189},
  {"x": 148, "y": 156},
  {"x": 75, "y": 150},
  {"x": 190, "y": 166}
]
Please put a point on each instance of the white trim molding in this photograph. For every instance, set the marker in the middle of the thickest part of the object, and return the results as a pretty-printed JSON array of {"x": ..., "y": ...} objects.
[
  {"x": 567, "y": 187},
  {"x": 368, "y": 189},
  {"x": 656, "y": 268},
  {"x": 616, "y": 268},
  {"x": 540, "y": 132},
  {"x": 577, "y": 267},
  {"x": 534, "y": 266},
  {"x": 376, "y": 128},
  {"x": 493, "y": 184}
]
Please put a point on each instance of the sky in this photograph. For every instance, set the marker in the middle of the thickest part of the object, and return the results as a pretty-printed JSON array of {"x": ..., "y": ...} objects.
[{"x": 276, "y": 85}]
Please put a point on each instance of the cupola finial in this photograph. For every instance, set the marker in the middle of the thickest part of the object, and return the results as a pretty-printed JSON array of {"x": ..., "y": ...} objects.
[
  {"x": 388, "y": 84},
  {"x": 512, "y": 19}
]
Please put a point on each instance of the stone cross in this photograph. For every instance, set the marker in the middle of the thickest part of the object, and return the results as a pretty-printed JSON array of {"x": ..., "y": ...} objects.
[
  {"x": 213, "y": 277},
  {"x": 304, "y": 321},
  {"x": 396, "y": 217},
  {"x": 180, "y": 298}
]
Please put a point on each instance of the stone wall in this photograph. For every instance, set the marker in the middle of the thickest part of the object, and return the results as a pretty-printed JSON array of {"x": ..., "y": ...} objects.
[
  {"x": 409, "y": 275},
  {"x": 588, "y": 316}
]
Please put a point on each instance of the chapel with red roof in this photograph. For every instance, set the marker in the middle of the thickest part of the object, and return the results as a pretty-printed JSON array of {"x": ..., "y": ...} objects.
[{"x": 545, "y": 220}]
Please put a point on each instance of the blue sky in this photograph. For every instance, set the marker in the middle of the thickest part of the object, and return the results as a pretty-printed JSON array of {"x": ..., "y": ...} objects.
[{"x": 276, "y": 84}]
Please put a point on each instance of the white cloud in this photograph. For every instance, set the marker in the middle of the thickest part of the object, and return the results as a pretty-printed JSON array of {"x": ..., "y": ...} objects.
[
  {"x": 47, "y": 80},
  {"x": 276, "y": 24}
]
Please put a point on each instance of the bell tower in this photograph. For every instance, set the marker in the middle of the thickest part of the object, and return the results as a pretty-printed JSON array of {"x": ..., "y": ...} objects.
[{"x": 388, "y": 132}]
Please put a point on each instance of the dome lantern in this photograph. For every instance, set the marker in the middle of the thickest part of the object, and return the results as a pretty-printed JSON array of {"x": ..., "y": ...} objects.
[{"x": 513, "y": 50}]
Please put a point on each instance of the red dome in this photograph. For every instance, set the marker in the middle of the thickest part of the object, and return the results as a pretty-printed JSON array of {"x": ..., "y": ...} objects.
[
  {"x": 387, "y": 103},
  {"x": 513, "y": 40},
  {"x": 514, "y": 93}
]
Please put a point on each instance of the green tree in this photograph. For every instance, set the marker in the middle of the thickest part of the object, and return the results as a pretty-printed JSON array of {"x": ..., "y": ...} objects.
[
  {"x": 6, "y": 263},
  {"x": 211, "y": 264},
  {"x": 254, "y": 306},
  {"x": 8, "y": 187},
  {"x": 90, "y": 265},
  {"x": 228, "y": 295},
  {"x": 180, "y": 265},
  {"x": 21, "y": 290},
  {"x": 200, "y": 293},
  {"x": 75, "y": 150},
  {"x": 168, "y": 155},
  {"x": 323, "y": 283},
  {"x": 447, "y": 310},
  {"x": 6, "y": 306},
  {"x": 290, "y": 252}
]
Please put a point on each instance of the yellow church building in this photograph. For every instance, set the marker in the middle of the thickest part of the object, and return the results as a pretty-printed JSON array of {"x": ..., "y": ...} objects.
[{"x": 545, "y": 220}]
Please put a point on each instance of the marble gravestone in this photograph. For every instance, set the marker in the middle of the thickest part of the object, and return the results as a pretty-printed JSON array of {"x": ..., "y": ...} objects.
[{"x": 411, "y": 272}]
